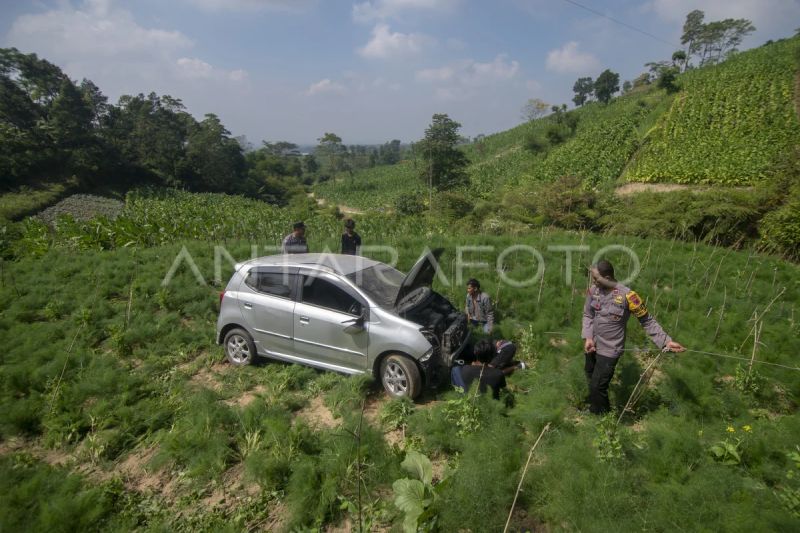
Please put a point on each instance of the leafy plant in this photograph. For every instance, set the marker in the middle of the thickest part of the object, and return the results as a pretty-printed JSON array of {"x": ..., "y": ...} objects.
[
  {"x": 418, "y": 498},
  {"x": 606, "y": 443},
  {"x": 463, "y": 413},
  {"x": 746, "y": 380},
  {"x": 729, "y": 451},
  {"x": 394, "y": 414},
  {"x": 790, "y": 494}
]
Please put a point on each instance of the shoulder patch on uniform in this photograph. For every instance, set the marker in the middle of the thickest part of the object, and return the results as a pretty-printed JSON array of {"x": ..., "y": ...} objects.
[{"x": 635, "y": 305}]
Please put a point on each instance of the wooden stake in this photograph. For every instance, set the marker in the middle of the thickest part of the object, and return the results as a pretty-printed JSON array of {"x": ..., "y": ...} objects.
[
  {"x": 755, "y": 345},
  {"x": 709, "y": 312},
  {"x": 677, "y": 317},
  {"x": 721, "y": 314},
  {"x": 519, "y": 488},
  {"x": 645, "y": 373},
  {"x": 775, "y": 275},
  {"x": 541, "y": 284}
]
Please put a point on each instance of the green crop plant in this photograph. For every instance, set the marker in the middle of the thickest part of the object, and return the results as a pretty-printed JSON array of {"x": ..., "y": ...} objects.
[
  {"x": 418, "y": 498},
  {"x": 728, "y": 124}
]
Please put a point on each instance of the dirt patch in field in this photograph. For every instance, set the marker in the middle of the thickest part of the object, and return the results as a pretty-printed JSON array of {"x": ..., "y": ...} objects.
[
  {"x": 54, "y": 457},
  {"x": 557, "y": 341},
  {"x": 506, "y": 152},
  {"x": 246, "y": 398},
  {"x": 233, "y": 488},
  {"x": 317, "y": 415},
  {"x": 634, "y": 188},
  {"x": 207, "y": 377}
]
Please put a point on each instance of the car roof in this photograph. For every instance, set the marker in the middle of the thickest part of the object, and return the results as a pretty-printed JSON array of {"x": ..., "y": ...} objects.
[{"x": 338, "y": 263}]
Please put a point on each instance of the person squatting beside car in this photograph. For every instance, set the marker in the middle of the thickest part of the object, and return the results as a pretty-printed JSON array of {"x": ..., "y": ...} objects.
[{"x": 493, "y": 362}]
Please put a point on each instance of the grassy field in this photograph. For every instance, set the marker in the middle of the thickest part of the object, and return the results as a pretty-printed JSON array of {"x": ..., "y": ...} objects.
[
  {"x": 28, "y": 201},
  {"x": 118, "y": 413}
]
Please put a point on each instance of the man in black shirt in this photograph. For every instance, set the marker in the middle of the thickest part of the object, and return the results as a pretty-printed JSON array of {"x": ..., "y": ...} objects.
[
  {"x": 480, "y": 370},
  {"x": 351, "y": 241}
]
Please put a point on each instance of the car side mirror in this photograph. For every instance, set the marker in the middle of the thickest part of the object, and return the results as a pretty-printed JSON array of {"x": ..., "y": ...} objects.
[{"x": 356, "y": 325}]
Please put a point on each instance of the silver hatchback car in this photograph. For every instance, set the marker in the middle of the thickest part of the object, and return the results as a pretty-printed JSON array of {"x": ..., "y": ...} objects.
[{"x": 344, "y": 313}]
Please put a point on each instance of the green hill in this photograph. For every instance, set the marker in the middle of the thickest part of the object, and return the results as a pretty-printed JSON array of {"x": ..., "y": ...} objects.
[
  {"x": 727, "y": 126},
  {"x": 729, "y": 123}
]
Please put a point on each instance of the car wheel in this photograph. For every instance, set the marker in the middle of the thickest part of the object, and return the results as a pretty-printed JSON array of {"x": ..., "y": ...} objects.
[
  {"x": 400, "y": 377},
  {"x": 239, "y": 347}
]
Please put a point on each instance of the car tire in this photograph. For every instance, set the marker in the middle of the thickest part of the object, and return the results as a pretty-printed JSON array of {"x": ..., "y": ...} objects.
[
  {"x": 239, "y": 347},
  {"x": 400, "y": 377}
]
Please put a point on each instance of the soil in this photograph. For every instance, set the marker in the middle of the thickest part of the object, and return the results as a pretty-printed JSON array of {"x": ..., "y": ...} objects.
[
  {"x": 207, "y": 377},
  {"x": 317, "y": 415},
  {"x": 246, "y": 398},
  {"x": 633, "y": 188}
]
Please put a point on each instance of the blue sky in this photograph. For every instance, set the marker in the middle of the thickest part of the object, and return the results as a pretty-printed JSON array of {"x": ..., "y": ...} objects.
[{"x": 369, "y": 71}]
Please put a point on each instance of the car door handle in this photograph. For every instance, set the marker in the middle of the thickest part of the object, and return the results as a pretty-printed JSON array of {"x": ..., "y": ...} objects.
[
  {"x": 248, "y": 305},
  {"x": 304, "y": 320}
]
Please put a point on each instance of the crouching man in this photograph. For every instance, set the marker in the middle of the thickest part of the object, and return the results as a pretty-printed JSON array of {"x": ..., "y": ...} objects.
[{"x": 487, "y": 354}]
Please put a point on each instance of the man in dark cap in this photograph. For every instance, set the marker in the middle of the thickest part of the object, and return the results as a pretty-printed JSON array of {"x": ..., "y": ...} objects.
[
  {"x": 295, "y": 243},
  {"x": 351, "y": 241}
]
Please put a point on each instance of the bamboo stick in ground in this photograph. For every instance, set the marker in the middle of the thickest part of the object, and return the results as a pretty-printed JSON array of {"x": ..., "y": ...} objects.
[
  {"x": 677, "y": 317},
  {"x": 541, "y": 284},
  {"x": 721, "y": 314},
  {"x": 646, "y": 370},
  {"x": 519, "y": 488}
]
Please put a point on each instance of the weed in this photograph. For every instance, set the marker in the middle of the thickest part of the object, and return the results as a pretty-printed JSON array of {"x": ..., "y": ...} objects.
[
  {"x": 790, "y": 494},
  {"x": 394, "y": 414},
  {"x": 606, "y": 443}
]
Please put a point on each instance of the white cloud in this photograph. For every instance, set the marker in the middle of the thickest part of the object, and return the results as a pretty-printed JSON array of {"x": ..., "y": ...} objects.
[
  {"x": 766, "y": 15},
  {"x": 384, "y": 9},
  {"x": 325, "y": 86},
  {"x": 92, "y": 31},
  {"x": 468, "y": 72},
  {"x": 434, "y": 75},
  {"x": 199, "y": 69},
  {"x": 569, "y": 59},
  {"x": 456, "y": 44},
  {"x": 533, "y": 86},
  {"x": 288, "y": 6},
  {"x": 386, "y": 45},
  {"x": 350, "y": 74}
]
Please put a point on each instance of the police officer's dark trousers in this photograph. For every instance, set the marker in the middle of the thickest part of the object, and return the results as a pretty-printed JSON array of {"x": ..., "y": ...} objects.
[{"x": 599, "y": 370}]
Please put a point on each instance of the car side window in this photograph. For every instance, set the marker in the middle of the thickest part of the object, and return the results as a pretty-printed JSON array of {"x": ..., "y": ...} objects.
[
  {"x": 271, "y": 283},
  {"x": 323, "y": 293}
]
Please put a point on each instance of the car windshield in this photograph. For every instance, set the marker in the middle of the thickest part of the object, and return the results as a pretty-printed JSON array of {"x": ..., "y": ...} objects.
[{"x": 380, "y": 283}]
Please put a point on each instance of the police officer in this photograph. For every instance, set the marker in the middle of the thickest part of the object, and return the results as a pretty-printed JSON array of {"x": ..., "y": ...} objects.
[{"x": 609, "y": 305}]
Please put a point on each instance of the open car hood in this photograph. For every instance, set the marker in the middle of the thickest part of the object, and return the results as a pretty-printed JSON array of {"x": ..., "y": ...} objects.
[{"x": 421, "y": 275}]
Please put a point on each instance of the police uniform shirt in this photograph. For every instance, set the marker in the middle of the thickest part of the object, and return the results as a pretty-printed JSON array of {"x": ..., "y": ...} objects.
[
  {"x": 293, "y": 244},
  {"x": 605, "y": 317}
]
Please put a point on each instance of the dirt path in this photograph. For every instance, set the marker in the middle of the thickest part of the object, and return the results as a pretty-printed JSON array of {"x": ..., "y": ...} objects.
[
  {"x": 342, "y": 208},
  {"x": 633, "y": 188}
]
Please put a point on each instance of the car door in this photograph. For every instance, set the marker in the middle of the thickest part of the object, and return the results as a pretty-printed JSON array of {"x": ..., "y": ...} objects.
[
  {"x": 267, "y": 304},
  {"x": 329, "y": 328}
]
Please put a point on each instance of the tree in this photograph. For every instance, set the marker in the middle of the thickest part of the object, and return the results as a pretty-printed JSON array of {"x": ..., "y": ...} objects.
[
  {"x": 216, "y": 159},
  {"x": 656, "y": 67},
  {"x": 733, "y": 33},
  {"x": 692, "y": 29},
  {"x": 329, "y": 146},
  {"x": 244, "y": 144},
  {"x": 678, "y": 57},
  {"x": 444, "y": 165},
  {"x": 583, "y": 90},
  {"x": 644, "y": 79},
  {"x": 668, "y": 79},
  {"x": 311, "y": 164},
  {"x": 606, "y": 85},
  {"x": 627, "y": 86},
  {"x": 70, "y": 117},
  {"x": 534, "y": 109},
  {"x": 95, "y": 99}
]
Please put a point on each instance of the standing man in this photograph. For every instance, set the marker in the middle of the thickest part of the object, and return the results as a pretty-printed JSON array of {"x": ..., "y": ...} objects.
[
  {"x": 479, "y": 306},
  {"x": 609, "y": 305},
  {"x": 295, "y": 243},
  {"x": 351, "y": 241}
]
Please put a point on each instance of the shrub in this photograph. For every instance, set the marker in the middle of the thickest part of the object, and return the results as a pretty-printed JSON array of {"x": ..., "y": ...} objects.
[
  {"x": 534, "y": 143},
  {"x": 450, "y": 205},
  {"x": 408, "y": 205}
]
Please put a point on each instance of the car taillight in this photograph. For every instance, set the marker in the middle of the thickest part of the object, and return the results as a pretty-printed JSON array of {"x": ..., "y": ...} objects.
[{"x": 220, "y": 298}]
